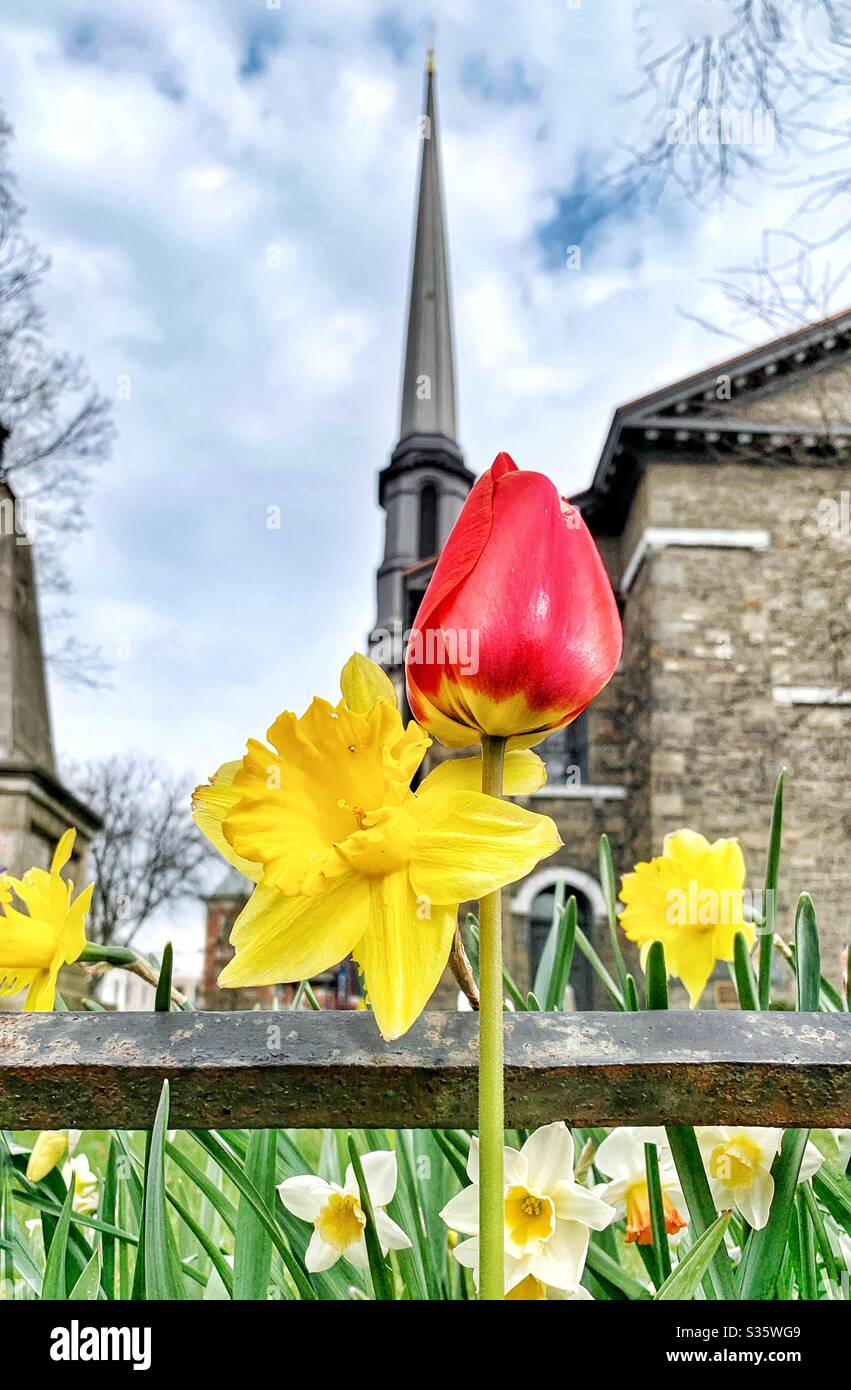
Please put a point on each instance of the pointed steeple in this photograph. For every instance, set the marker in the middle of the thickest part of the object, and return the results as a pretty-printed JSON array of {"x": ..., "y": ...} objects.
[
  {"x": 428, "y": 390},
  {"x": 424, "y": 486}
]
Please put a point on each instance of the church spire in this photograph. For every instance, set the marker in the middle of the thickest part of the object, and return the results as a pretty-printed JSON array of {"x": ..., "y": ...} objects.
[
  {"x": 423, "y": 487},
  {"x": 428, "y": 390}
]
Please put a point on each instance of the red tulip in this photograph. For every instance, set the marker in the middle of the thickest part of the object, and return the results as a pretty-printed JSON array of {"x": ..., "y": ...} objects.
[{"x": 518, "y": 629}]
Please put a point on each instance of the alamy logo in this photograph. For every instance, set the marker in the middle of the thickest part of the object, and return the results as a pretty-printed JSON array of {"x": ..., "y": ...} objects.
[{"x": 76, "y": 1343}]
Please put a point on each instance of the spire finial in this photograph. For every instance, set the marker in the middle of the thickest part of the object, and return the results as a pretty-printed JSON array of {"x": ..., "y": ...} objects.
[{"x": 431, "y": 64}]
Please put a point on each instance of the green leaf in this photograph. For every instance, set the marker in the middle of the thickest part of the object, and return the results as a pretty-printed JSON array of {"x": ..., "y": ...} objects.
[
  {"x": 746, "y": 986},
  {"x": 213, "y": 1144},
  {"x": 87, "y": 1286},
  {"x": 610, "y": 893},
  {"x": 630, "y": 995},
  {"x": 54, "y": 1286},
  {"x": 807, "y": 955},
  {"x": 765, "y": 931},
  {"x": 656, "y": 978},
  {"x": 683, "y": 1282},
  {"x": 382, "y": 1279},
  {"x": 563, "y": 958},
  {"x": 533, "y": 1003},
  {"x": 544, "y": 971},
  {"x": 162, "y": 1000},
  {"x": 163, "y": 1278},
  {"x": 834, "y": 1192},
  {"x": 208, "y": 1245},
  {"x": 701, "y": 1207},
  {"x": 599, "y": 968},
  {"x": 657, "y": 1210},
  {"x": 607, "y": 1269},
  {"x": 252, "y": 1263},
  {"x": 763, "y": 1254}
]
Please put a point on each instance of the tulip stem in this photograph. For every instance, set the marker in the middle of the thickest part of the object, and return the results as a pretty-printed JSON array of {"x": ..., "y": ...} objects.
[{"x": 491, "y": 1080}]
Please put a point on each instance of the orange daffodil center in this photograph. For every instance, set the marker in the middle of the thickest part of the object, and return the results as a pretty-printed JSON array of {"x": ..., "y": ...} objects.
[
  {"x": 347, "y": 859},
  {"x": 692, "y": 899},
  {"x": 34, "y": 945},
  {"x": 621, "y": 1157}
]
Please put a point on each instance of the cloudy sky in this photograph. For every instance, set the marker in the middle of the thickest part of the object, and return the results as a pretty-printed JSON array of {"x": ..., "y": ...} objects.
[{"x": 225, "y": 189}]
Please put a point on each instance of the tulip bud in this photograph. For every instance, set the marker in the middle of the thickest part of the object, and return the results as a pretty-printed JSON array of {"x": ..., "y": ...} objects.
[{"x": 518, "y": 629}]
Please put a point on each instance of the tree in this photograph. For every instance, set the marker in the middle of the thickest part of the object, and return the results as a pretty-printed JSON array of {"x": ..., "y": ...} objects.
[
  {"x": 753, "y": 84},
  {"x": 149, "y": 854},
  {"x": 59, "y": 424}
]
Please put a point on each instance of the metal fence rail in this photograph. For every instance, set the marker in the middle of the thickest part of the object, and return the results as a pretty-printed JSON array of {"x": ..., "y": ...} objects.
[{"x": 253, "y": 1069}]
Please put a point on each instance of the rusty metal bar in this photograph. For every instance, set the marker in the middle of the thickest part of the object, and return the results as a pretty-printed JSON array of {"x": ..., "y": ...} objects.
[{"x": 253, "y": 1069}]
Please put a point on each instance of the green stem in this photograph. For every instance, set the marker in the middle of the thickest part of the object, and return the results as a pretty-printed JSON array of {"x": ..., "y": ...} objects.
[{"x": 491, "y": 1083}]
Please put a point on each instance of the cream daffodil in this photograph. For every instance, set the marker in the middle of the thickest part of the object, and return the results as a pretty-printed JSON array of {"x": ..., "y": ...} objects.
[
  {"x": 621, "y": 1157},
  {"x": 548, "y": 1215},
  {"x": 35, "y": 945},
  {"x": 336, "y": 1214},
  {"x": 738, "y": 1165},
  {"x": 349, "y": 860},
  {"x": 692, "y": 899},
  {"x": 49, "y": 1149},
  {"x": 78, "y": 1172}
]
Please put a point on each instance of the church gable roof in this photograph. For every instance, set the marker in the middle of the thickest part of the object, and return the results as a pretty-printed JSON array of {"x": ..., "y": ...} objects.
[{"x": 763, "y": 395}]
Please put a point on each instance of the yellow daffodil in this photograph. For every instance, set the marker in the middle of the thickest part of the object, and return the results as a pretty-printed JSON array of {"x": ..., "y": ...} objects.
[
  {"x": 34, "y": 947},
  {"x": 79, "y": 1175},
  {"x": 621, "y": 1158},
  {"x": 548, "y": 1215},
  {"x": 692, "y": 899},
  {"x": 49, "y": 1149},
  {"x": 338, "y": 1221},
  {"x": 348, "y": 859},
  {"x": 738, "y": 1165}
]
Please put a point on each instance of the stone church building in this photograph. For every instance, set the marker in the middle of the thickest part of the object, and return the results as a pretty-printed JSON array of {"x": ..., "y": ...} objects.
[
  {"x": 721, "y": 508},
  {"x": 720, "y": 505}
]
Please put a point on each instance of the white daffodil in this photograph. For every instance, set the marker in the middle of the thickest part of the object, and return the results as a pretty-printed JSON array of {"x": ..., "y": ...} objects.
[
  {"x": 77, "y": 1172},
  {"x": 338, "y": 1221},
  {"x": 738, "y": 1165},
  {"x": 548, "y": 1216},
  {"x": 621, "y": 1158}
]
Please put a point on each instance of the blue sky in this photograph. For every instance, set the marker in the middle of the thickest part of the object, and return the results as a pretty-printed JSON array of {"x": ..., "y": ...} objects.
[{"x": 226, "y": 192}]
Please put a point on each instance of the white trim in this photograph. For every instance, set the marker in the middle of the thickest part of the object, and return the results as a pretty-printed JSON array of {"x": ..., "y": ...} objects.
[
  {"x": 660, "y": 537},
  {"x": 575, "y": 791},
  {"x": 529, "y": 888},
  {"x": 810, "y": 695}
]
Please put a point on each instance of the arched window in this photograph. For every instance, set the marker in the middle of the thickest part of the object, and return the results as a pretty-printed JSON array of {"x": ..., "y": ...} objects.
[
  {"x": 540, "y": 924},
  {"x": 428, "y": 521}
]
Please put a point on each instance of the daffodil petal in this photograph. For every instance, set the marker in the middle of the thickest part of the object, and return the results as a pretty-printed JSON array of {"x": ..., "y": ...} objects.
[
  {"x": 48, "y": 1149},
  {"x": 210, "y": 805},
  {"x": 391, "y": 1236},
  {"x": 470, "y": 844},
  {"x": 63, "y": 850},
  {"x": 549, "y": 1156},
  {"x": 280, "y": 939},
  {"x": 304, "y": 1196},
  {"x": 513, "y": 1165},
  {"x": 357, "y": 1254},
  {"x": 403, "y": 951},
  {"x": 319, "y": 1255},
  {"x": 561, "y": 1260},
  {"x": 362, "y": 682},
  {"x": 524, "y": 773},
  {"x": 754, "y": 1201},
  {"x": 379, "y": 1171},
  {"x": 461, "y": 1212},
  {"x": 575, "y": 1203}
]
